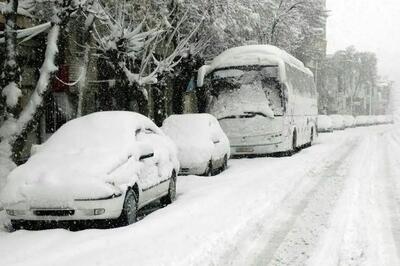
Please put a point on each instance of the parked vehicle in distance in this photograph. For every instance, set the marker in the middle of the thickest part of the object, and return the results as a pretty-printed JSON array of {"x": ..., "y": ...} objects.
[
  {"x": 372, "y": 120},
  {"x": 349, "y": 121},
  {"x": 381, "y": 119},
  {"x": 264, "y": 98},
  {"x": 324, "y": 124},
  {"x": 103, "y": 166},
  {"x": 361, "y": 120},
  {"x": 203, "y": 147},
  {"x": 337, "y": 122}
]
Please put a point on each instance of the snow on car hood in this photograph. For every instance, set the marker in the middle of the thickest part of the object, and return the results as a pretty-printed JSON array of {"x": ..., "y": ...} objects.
[
  {"x": 80, "y": 160},
  {"x": 65, "y": 177}
]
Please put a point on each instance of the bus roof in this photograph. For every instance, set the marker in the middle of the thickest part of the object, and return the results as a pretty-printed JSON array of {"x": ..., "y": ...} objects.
[
  {"x": 256, "y": 55},
  {"x": 251, "y": 55}
]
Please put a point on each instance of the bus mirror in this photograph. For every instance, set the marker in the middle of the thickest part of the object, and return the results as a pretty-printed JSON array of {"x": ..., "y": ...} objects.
[{"x": 202, "y": 73}]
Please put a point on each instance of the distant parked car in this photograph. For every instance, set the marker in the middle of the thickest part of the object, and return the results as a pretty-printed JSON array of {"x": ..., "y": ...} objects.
[
  {"x": 361, "y": 120},
  {"x": 325, "y": 124},
  {"x": 104, "y": 166},
  {"x": 337, "y": 122},
  {"x": 349, "y": 121},
  {"x": 372, "y": 120},
  {"x": 203, "y": 147}
]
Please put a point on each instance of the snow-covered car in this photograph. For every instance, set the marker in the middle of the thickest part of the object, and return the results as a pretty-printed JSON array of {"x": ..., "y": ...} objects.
[
  {"x": 337, "y": 122},
  {"x": 349, "y": 121},
  {"x": 103, "y": 166},
  {"x": 203, "y": 148},
  {"x": 325, "y": 124},
  {"x": 372, "y": 120},
  {"x": 361, "y": 120}
]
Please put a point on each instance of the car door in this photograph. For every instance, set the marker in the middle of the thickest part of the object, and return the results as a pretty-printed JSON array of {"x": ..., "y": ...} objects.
[
  {"x": 164, "y": 172},
  {"x": 149, "y": 175},
  {"x": 218, "y": 155}
]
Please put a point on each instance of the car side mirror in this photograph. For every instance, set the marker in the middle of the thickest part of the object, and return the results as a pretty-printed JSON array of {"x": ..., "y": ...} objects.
[
  {"x": 146, "y": 151},
  {"x": 145, "y": 156},
  {"x": 215, "y": 139}
]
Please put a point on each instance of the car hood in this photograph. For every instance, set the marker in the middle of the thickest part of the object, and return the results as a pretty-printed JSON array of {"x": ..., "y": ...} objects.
[{"x": 54, "y": 178}]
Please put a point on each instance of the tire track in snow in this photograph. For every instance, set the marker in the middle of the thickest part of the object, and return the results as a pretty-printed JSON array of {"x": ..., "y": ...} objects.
[
  {"x": 360, "y": 229},
  {"x": 297, "y": 237},
  {"x": 392, "y": 188},
  {"x": 262, "y": 247}
]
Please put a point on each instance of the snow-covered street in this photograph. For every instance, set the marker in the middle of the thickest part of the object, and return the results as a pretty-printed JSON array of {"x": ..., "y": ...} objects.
[{"x": 336, "y": 203}]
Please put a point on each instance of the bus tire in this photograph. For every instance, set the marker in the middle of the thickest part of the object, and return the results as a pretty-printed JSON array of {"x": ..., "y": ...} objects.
[{"x": 294, "y": 143}]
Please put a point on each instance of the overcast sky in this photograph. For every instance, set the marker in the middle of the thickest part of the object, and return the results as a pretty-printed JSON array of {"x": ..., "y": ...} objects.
[{"x": 369, "y": 25}]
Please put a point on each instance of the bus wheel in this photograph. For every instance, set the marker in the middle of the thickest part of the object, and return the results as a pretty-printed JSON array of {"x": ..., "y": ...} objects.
[
  {"x": 294, "y": 144},
  {"x": 311, "y": 137}
]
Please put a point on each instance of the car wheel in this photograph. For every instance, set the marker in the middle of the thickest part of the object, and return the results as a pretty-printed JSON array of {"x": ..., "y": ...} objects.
[
  {"x": 225, "y": 165},
  {"x": 171, "y": 196},
  {"x": 312, "y": 138},
  {"x": 209, "y": 171},
  {"x": 130, "y": 209}
]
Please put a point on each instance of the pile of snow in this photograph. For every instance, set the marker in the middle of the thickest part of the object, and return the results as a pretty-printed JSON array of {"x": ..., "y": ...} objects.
[
  {"x": 249, "y": 98},
  {"x": 324, "y": 123},
  {"x": 194, "y": 136},
  {"x": 85, "y": 156}
]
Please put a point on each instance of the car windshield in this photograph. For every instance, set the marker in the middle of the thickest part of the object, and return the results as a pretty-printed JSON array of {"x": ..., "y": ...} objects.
[{"x": 246, "y": 92}]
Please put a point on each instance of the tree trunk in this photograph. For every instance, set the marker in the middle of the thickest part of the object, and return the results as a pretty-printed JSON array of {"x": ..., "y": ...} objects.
[{"x": 12, "y": 75}]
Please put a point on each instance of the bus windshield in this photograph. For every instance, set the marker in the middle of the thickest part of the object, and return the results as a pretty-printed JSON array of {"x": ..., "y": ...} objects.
[{"x": 246, "y": 92}]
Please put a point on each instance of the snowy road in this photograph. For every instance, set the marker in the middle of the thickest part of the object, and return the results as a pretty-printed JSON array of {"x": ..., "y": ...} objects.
[{"x": 336, "y": 203}]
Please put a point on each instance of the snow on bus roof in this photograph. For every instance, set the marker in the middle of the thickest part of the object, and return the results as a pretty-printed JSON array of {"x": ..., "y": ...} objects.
[
  {"x": 255, "y": 55},
  {"x": 251, "y": 55}
]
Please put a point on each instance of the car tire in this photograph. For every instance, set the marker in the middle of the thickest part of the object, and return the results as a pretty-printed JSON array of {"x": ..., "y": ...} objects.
[
  {"x": 312, "y": 136},
  {"x": 171, "y": 196},
  {"x": 129, "y": 209},
  {"x": 225, "y": 164},
  {"x": 209, "y": 171}
]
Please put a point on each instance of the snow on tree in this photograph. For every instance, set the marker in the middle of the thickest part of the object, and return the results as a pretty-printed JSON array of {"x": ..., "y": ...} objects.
[{"x": 15, "y": 128}]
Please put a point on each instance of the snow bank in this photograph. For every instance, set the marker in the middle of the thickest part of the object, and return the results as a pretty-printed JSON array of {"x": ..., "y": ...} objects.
[{"x": 83, "y": 157}]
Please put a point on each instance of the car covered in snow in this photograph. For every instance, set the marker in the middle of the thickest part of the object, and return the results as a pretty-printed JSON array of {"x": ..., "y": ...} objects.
[
  {"x": 325, "y": 124},
  {"x": 349, "y": 121},
  {"x": 337, "y": 122},
  {"x": 203, "y": 148},
  {"x": 361, "y": 120},
  {"x": 103, "y": 166}
]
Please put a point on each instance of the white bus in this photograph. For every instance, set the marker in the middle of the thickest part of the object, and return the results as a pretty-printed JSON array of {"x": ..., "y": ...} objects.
[{"x": 264, "y": 99}]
